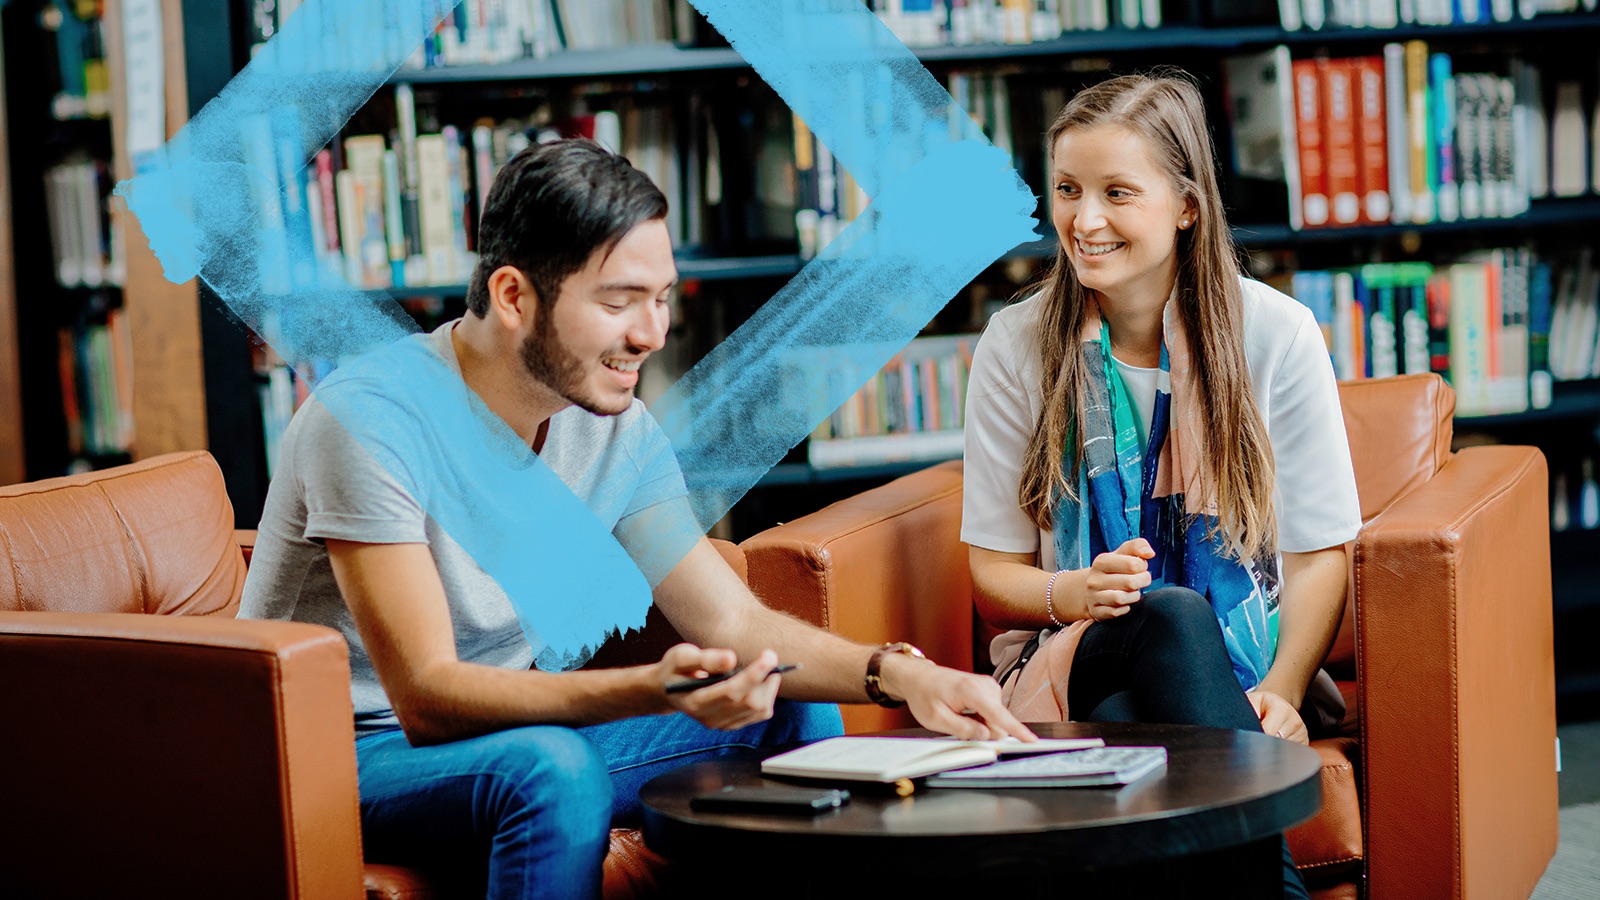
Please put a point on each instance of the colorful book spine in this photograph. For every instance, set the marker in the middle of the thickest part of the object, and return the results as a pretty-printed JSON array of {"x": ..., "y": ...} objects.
[
  {"x": 1373, "y": 137},
  {"x": 1308, "y": 134}
]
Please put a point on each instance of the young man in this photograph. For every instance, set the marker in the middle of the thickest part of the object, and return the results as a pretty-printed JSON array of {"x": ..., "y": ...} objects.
[{"x": 470, "y": 759}]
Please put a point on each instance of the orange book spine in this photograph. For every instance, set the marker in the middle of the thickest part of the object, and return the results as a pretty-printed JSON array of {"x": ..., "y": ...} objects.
[
  {"x": 1373, "y": 134},
  {"x": 1341, "y": 170},
  {"x": 1308, "y": 136}
]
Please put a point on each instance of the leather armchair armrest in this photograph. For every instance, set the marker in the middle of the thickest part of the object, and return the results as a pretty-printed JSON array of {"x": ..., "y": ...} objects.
[
  {"x": 1455, "y": 660},
  {"x": 246, "y": 539},
  {"x": 885, "y": 565},
  {"x": 169, "y": 756}
]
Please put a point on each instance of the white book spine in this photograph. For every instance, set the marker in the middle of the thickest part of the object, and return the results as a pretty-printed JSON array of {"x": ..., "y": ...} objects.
[
  {"x": 1394, "y": 89},
  {"x": 1313, "y": 13},
  {"x": 1568, "y": 141},
  {"x": 1289, "y": 15}
]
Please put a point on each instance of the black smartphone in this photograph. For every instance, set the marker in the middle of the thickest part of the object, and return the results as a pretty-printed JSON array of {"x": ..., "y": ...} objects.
[
  {"x": 694, "y": 684},
  {"x": 771, "y": 798}
]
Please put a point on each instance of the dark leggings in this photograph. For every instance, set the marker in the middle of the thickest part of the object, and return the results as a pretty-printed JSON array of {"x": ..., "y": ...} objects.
[{"x": 1164, "y": 661}]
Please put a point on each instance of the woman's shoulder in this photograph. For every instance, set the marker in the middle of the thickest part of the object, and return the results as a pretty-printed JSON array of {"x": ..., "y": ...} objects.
[
  {"x": 1271, "y": 317},
  {"x": 1019, "y": 318},
  {"x": 1008, "y": 350}
]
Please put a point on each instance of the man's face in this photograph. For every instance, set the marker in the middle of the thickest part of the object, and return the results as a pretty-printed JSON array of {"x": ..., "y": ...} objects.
[{"x": 609, "y": 316}]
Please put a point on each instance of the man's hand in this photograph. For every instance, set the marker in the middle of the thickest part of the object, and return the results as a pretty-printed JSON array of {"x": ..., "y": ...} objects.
[
  {"x": 744, "y": 699},
  {"x": 1114, "y": 581},
  {"x": 1278, "y": 717},
  {"x": 956, "y": 703}
]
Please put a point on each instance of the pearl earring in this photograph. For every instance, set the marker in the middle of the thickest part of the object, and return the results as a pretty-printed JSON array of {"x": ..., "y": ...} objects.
[{"x": 1184, "y": 223}]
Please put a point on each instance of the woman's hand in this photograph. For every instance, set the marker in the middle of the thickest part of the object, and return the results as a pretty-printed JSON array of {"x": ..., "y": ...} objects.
[
  {"x": 1112, "y": 584},
  {"x": 1278, "y": 717}
]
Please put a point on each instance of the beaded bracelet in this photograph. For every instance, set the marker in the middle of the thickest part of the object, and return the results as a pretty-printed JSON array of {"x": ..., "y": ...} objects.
[{"x": 1049, "y": 606}]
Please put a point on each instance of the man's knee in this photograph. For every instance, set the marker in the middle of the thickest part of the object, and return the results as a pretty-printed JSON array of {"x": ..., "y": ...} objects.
[
  {"x": 557, "y": 774},
  {"x": 794, "y": 721}
]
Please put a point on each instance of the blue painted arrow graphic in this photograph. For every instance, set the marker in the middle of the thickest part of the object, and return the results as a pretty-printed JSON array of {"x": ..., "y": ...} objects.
[{"x": 945, "y": 205}]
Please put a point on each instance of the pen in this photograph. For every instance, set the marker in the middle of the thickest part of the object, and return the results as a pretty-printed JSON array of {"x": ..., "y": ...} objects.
[{"x": 690, "y": 684}]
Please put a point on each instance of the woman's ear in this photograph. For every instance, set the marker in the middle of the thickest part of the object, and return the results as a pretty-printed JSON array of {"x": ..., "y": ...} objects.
[{"x": 1190, "y": 214}]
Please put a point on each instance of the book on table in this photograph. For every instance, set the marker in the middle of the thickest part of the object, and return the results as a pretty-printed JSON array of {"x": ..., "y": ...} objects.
[
  {"x": 1084, "y": 768},
  {"x": 889, "y": 759}
]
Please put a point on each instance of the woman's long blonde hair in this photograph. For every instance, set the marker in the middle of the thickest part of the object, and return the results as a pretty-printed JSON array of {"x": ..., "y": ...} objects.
[{"x": 1165, "y": 109}]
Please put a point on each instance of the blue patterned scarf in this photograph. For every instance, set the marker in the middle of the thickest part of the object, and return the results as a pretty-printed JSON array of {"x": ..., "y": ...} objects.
[{"x": 1125, "y": 490}]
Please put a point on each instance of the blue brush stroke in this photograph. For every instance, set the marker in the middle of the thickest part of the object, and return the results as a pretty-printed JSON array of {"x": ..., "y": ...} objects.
[{"x": 947, "y": 205}]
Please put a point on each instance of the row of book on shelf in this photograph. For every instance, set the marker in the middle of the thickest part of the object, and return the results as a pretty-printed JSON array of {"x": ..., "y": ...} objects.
[
  {"x": 375, "y": 211},
  {"x": 487, "y": 32},
  {"x": 95, "y": 362},
  {"x": 1408, "y": 136},
  {"x": 500, "y": 31},
  {"x": 911, "y": 410},
  {"x": 827, "y": 198},
  {"x": 84, "y": 90},
  {"x": 1295, "y": 15},
  {"x": 1500, "y": 325},
  {"x": 85, "y": 249}
]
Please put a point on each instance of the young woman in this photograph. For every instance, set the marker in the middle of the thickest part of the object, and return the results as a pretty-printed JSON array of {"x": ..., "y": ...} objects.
[{"x": 1158, "y": 484}]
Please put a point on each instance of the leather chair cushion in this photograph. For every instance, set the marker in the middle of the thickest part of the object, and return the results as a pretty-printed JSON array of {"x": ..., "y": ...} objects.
[
  {"x": 152, "y": 537},
  {"x": 1329, "y": 845},
  {"x": 632, "y": 870}
]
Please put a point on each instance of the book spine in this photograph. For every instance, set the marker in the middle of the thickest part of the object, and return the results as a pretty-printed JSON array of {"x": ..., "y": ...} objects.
[
  {"x": 434, "y": 208},
  {"x": 1396, "y": 131},
  {"x": 1341, "y": 162},
  {"x": 1541, "y": 386},
  {"x": 1373, "y": 137},
  {"x": 1437, "y": 296},
  {"x": 1308, "y": 134},
  {"x": 393, "y": 222},
  {"x": 1442, "y": 94},
  {"x": 1423, "y": 163}
]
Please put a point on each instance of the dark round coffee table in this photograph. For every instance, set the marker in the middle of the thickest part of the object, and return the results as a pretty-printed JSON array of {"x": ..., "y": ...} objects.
[{"x": 1208, "y": 826}]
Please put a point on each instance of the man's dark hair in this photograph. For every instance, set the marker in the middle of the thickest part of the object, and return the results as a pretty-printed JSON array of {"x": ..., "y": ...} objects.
[{"x": 551, "y": 207}]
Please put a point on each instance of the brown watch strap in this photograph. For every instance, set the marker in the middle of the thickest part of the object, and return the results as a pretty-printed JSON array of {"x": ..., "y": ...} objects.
[{"x": 874, "y": 681}]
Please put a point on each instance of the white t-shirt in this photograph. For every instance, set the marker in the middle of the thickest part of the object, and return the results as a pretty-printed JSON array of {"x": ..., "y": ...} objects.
[{"x": 1294, "y": 388}]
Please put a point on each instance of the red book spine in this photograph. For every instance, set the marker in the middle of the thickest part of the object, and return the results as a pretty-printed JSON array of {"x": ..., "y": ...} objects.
[
  {"x": 330, "y": 208},
  {"x": 1373, "y": 134},
  {"x": 1340, "y": 166},
  {"x": 1308, "y": 134}
]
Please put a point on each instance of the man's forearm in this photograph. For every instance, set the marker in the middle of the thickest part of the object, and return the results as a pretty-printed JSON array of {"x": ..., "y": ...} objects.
[
  {"x": 460, "y": 700},
  {"x": 1311, "y": 608},
  {"x": 832, "y": 668}
]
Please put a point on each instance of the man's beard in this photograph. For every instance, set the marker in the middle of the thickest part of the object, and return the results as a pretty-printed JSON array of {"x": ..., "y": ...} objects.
[{"x": 550, "y": 362}]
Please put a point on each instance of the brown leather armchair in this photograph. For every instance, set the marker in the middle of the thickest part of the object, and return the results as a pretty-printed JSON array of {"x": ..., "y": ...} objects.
[
  {"x": 152, "y": 745},
  {"x": 1443, "y": 783}
]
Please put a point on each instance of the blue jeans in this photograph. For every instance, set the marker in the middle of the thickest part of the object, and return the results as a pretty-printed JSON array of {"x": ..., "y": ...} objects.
[{"x": 526, "y": 812}]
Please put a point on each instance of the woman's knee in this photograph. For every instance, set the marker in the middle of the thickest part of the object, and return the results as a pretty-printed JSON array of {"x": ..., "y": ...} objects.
[{"x": 1179, "y": 611}]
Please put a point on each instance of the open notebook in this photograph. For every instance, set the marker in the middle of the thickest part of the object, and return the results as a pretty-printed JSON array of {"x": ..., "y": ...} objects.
[{"x": 890, "y": 759}]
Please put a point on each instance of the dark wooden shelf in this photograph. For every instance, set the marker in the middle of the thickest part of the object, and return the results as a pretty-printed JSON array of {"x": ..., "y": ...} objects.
[
  {"x": 1572, "y": 400},
  {"x": 661, "y": 59},
  {"x": 788, "y": 474}
]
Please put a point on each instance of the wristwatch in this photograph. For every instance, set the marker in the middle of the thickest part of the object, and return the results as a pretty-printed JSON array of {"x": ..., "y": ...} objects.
[{"x": 874, "y": 681}]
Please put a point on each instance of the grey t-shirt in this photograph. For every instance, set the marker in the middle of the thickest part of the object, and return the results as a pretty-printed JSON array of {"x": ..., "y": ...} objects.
[{"x": 329, "y": 484}]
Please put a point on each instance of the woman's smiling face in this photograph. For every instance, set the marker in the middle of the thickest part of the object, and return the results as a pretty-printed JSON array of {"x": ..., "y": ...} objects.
[{"x": 1116, "y": 212}]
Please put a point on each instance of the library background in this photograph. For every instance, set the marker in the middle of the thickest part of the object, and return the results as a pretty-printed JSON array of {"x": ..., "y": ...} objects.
[{"x": 1423, "y": 174}]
